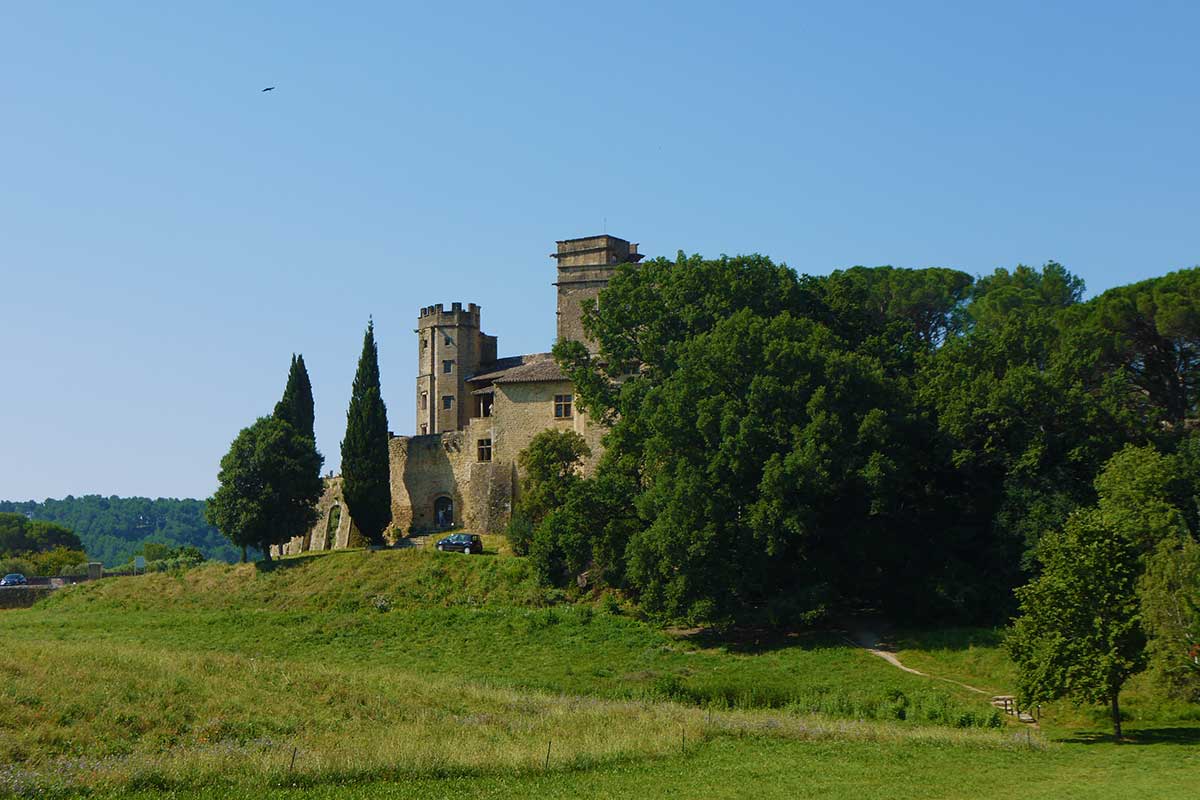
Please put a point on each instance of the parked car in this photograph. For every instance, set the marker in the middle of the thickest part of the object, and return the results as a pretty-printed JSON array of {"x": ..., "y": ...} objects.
[
  {"x": 13, "y": 579},
  {"x": 467, "y": 543}
]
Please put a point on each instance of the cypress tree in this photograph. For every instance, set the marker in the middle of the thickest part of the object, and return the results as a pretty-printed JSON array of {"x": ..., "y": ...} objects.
[
  {"x": 366, "y": 484},
  {"x": 296, "y": 405}
]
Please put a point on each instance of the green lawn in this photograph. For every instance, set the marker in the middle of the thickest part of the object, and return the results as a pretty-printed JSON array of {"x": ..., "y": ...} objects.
[{"x": 405, "y": 673}]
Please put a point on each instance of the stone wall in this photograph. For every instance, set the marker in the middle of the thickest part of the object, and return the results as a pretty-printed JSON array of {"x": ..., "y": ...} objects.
[
  {"x": 426, "y": 468},
  {"x": 523, "y": 410},
  {"x": 22, "y": 596},
  {"x": 333, "y": 529}
]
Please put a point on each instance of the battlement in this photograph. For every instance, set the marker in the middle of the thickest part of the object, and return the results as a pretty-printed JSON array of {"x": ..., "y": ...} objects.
[{"x": 438, "y": 315}]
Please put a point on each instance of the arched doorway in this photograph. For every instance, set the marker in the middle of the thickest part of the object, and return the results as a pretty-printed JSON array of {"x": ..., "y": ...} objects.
[{"x": 443, "y": 512}]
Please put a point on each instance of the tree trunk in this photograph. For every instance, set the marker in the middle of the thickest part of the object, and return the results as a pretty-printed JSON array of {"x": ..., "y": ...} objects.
[
  {"x": 243, "y": 554},
  {"x": 1116, "y": 715}
]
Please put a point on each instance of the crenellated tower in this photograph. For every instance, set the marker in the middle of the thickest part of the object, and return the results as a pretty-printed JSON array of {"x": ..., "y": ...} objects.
[{"x": 450, "y": 348}]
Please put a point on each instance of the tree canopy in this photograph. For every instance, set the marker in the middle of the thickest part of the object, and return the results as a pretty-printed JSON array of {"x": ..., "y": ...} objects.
[
  {"x": 776, "y": 443},
  {"x": 20, "y": 535},
  {"x": 1080, "y": 634},
  {"x": 270, "y": 481}
]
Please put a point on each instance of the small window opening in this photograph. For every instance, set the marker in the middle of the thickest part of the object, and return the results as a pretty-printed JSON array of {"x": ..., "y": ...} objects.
[
  {"x": 448, "y": 402},
  {"x": 447, "y": 366},
  {"x": 562, "y": 406},
  {"x": 483, "y": 405},
  {"x": 485, "y": 449}
]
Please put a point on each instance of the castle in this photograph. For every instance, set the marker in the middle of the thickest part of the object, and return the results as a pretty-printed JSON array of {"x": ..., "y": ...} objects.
[{"x": 476, "y": 411}]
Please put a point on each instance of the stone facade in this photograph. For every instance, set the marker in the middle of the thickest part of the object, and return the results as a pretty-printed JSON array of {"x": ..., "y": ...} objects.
[
  {"x": 477, "y": 412},
  {"x": 439, "y": 482}
]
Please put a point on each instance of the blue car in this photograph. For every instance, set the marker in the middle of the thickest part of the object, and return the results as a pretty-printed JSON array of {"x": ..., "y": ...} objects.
[
  {"x": 466, "y": 543},
  {"x": 13, "y": 579}
]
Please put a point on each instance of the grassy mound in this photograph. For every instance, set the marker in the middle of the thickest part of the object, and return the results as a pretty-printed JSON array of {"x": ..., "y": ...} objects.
[{"x": 340, "y": 580}]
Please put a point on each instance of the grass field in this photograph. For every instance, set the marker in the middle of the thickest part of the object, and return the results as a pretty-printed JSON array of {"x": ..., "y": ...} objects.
[{"x": 406, "y": 673}]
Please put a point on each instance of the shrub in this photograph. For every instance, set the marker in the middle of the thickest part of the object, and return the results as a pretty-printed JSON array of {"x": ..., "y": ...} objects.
[
  {"x": 520, "y": 534},
  {"x": 20, "y": 565}
]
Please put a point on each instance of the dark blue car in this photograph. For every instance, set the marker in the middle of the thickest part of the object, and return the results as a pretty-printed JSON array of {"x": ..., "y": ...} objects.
[
  {"x": 13, "y": 579},
  {"x": 467, "y": 543}
]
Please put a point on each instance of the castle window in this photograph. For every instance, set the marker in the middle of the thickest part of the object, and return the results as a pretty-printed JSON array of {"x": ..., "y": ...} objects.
[
  {"x": 424, "y": 429},
  {"x": 424, "y": 400},
  {"x": 446, "y": 338},
  {"x": 447, "y": 366},
  {"x": 485, "y": 449},
  {"x": 562, "y": 406},
  {"x": 424, "y": 343},
  {"x": 448, "y": 402}
]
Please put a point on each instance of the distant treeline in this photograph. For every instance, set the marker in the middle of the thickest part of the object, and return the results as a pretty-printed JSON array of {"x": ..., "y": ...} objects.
[{"x": 112, "y": 529}]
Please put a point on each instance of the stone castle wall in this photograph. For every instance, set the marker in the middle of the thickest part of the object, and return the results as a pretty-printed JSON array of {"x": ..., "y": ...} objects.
[{"x": 446, "y": 465}]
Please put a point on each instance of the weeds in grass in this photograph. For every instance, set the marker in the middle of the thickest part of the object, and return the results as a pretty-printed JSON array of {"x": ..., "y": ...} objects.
[{"x": 120, "y": 716}]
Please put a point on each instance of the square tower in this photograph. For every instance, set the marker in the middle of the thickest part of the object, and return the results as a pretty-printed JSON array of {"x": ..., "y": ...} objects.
[
  {"x": 584, "y": 268},
  {"x": 450, "y": 348}
]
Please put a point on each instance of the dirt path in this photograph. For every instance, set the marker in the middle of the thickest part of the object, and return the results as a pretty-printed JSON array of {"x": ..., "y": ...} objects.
[{"x": 874, "y": 645}]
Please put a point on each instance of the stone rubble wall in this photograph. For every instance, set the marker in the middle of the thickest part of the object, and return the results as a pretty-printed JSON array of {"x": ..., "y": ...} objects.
[{"x": 321, "y": 536}]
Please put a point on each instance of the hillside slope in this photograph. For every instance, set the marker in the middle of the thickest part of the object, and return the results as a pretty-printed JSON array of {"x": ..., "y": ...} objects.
[{"x": 419, "y": 666}]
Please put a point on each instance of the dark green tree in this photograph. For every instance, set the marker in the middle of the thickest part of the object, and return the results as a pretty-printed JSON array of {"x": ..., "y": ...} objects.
[
  {"x": 550, "y": 472},
  {"x": 20, "y": 535},
  {"x": 1142, "y": 342},
  {"x": 746, "y": 407},
  {"x": 365, "y": 470},
  {"x": 270, "y": 481},
  {"x": 550, "y": 466},
  {"x": 296, "y": 405},
  {"x": 1079, "y": 634},
  {"x": 1022, "y": 433},
  {"x": 995, "y": 298}
]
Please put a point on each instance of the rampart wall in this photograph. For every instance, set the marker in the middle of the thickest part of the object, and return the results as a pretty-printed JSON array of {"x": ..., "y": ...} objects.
[{"x": 446, "y": 465}]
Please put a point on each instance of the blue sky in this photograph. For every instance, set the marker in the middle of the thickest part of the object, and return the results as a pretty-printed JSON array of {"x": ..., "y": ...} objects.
[{"x": 170, "y": 235}]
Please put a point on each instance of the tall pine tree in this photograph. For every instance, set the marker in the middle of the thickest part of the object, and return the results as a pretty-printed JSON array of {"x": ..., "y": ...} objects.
[
  {"x": 296, "y": 405},
  {"x": 366, "y": 481}
]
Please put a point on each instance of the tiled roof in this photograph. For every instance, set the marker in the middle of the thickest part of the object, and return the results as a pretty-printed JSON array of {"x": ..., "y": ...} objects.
[{"x": 530, "y": 368}]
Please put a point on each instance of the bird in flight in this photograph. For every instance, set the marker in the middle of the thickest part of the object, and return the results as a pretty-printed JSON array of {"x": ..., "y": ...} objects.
[{"x": 269, "y": 89}]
